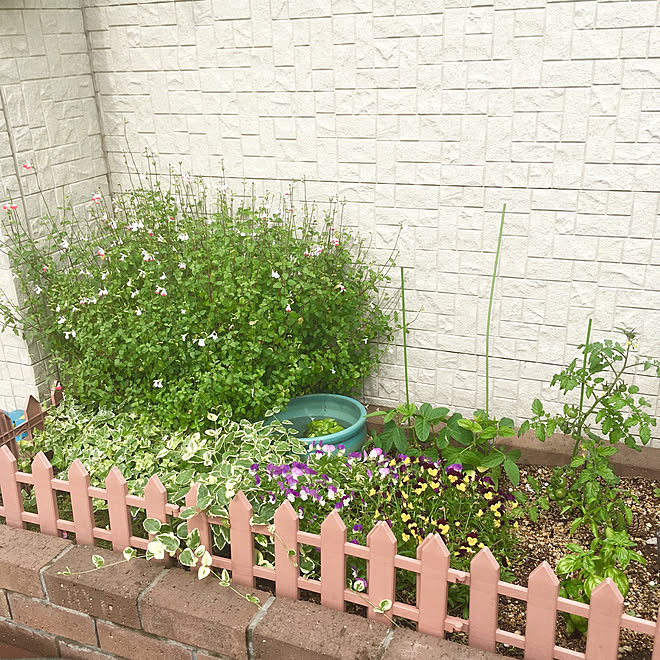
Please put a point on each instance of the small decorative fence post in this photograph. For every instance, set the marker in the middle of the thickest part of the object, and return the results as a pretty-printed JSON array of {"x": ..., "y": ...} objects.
[
  {"x": 381, "y": 572},
  {"x": 605, "y": 610},
  {"x": 11, "y": 491},
  {"x": 240, "y": 537},
  {"x": 81, "y": 503},
  {"x": 432, "y": 585},
  {"x": 7, "y": 435},
  {"x": 120, "y": 516},
  {"x": 199, "y": 521},
  {"x": 484, "y": 576},
  {"x": 541, "y": 613},
  {"x": 42, "y": 473},
  {"x": 286, "y": 551},
  {"x": 155, "y": 501},
  {"x": 333, "y": 562}
]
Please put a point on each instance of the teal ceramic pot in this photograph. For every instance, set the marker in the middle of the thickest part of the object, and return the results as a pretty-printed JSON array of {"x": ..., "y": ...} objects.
[{"x": 349, "y": 413}]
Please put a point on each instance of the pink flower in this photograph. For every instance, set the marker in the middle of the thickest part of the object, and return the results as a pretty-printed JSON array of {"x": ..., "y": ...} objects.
[
  {"x": 13, "y": 207},
  {"x": 97, "y": 198},
  {"x": 100, "y": 252},
  {"x": 44, "y": 268},
  {"x": 27, "y": 165}
]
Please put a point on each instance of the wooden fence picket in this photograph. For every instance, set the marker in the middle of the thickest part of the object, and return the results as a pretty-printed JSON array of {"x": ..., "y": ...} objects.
[
  {"x": 12, "y": 500},
  {"x": 240, "y": 538},
  {"x": 484, "y": 576},
  {"x": 7, "y": 435},
  {"x": 34, "y": 416},
  {"x": 200, "y": 520},
  {"x": 656, "y": 639},
  {"x": 81, "y": 503},
  {"x": 432, "y": 585},
  {"x": 540, "y": 630},
  {"x": 605, "y": 610},
  {"x": 287, "y": 556},
  {"x": 381, "y": 574},
  {"x": 42, "y": 473},
  {"x": 121, "y": 522},
  {"x": 155, "y": 501},
  {"x": 333, "y": 562}
]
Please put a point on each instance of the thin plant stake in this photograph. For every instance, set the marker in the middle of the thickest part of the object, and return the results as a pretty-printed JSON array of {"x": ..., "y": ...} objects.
[
  {"x": 405, "y": 330},
  {"x": 490, "y": 300}
]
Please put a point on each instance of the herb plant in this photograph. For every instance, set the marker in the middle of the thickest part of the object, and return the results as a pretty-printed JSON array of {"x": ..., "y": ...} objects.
[{"x": 179, "y": 303}]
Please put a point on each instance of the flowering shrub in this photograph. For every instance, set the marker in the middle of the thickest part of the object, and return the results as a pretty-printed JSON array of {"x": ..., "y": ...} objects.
[{"x": 169, "y": 302}]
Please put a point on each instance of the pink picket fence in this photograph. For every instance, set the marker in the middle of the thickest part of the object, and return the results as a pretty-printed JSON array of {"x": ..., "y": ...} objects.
[
  {"x": 431, "y": 566},
  {"x": 34, "y": 415}
]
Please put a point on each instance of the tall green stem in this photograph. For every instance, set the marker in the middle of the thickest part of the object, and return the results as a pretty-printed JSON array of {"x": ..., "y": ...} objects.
[
  {"x": 490, "y": 300},
  {"x": 405, "y": 330},
  {"x": 584, "y": 367}
]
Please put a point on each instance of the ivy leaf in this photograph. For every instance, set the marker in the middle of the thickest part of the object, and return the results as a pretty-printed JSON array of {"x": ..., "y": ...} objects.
[
  {"x": 98, "y": 561},
  {"x": 152, "y": 525}
]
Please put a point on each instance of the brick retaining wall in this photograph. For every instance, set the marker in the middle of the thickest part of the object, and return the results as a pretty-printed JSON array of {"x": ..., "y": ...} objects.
[{"x": 143, "y": 611}]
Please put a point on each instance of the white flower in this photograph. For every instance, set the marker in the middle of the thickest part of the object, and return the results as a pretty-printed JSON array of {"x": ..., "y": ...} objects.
[
  {"x": 161, "y": 291},
  {"x": 104, "y": 274},
  {"x": 183, "y": 337},
  {"x": 201, "y": 342},
  {"x": 57, "y": 309},
  {"x": 61, "y": 320},
  {"x": 122, "y": 256},
  {"x": 158, "y": 383},
  {"x": 38, "y": 290},
  {"x": 103, "y": 292},
  {"x": 183, "y": 311},
  {"x": 134, "y": 293},
  {"x": 182, "y": 266},
  {"x": 65, "y": 244},
  {"x": 70, "y": 333},
  {"x": 130, "y": 282},
  {"x": 183, "y": 236},
  {"x": 141, "y": 273},
  {"x": 163, "y": 276},
  {"x": 214, "y": 336},
  {"x": 287, "y": 308},
  {"x": 275, "y": 274},
  {"x": 138, "y": 312}
]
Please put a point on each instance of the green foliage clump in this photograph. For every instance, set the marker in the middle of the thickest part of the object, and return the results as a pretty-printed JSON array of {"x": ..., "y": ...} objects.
[{"x": 168, "y": 302}]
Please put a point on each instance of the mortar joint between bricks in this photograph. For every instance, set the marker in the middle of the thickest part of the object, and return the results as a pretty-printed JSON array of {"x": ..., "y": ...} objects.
[
  {"x": 47, "y": 566},
  {"x": 138, "y": 604},
  {"x": 256, "y": 620}
]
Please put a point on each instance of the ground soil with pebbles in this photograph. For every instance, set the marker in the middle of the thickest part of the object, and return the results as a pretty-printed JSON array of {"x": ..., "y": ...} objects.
[{"x": 546, "y": 539}]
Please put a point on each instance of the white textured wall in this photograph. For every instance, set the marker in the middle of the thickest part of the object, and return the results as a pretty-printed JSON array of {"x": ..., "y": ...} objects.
[
  {"x": 427, "y": 114},
  {"x": 49, "y": 119}
]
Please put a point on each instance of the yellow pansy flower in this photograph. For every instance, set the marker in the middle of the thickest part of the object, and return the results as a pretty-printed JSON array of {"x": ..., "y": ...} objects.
[
  {"x": 479, "y": 513},
  {"x": 471, "y": 540},
  {"x": 452, "y": 478},
  {"x": 488, "y": 495},
  {"x": 443, "y": 529},
  {"x": 434, "y": 484},
  {"x": 461, "y": 487},
  {"x": 498, "y": 523},
  {"x": 372, "y": 492},
  {"x": 433, "y": 472},
  {"x": 405, "y": 517},
  {"x": 403, "y": 494},
  {"x": 405, "y": 537}
]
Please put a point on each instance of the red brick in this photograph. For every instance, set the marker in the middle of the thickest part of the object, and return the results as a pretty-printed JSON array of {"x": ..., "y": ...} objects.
[
  {"x": 38, "y": 643},
  {"x": 111, "y": 593},
  {"x": 4, "y": 607},
  {"x": 136, "y": 645},
  {"x": 203, "y": 655},
  {"x": 76, "y": 652},
  {"x": 8, "y": 652},
  {"x": 298, "y": 630},
  {"x": 52, "y": 619},
  {"x": 410, "y": 645},
  {"x": 199, "y": 613},
  {"x": 22, "y": 556}
]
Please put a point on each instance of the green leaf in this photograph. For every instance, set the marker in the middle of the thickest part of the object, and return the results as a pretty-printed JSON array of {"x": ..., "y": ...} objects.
[
  {"x": 98, "y": 561},
  {"x": 193, "y": 539},
  {"x": 187, "y": 558},
  {"x": 537, "y": 407},
  {"x": 422, "y": 430},
  {"x": 129, "y": 553},
  {"x": 152, "y": 525},
  {"x": 512, "y": 471},
  {"x": 185, "y": 514},
  {"x": 400, "y": 440},
  {"x": 170, "y": 542}
]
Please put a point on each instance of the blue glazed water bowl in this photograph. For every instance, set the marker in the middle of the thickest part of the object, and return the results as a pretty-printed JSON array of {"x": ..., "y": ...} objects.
[{"x": 349, "y": 413}]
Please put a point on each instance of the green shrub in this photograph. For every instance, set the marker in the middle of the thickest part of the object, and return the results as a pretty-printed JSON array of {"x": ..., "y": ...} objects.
[{"x": 169, "y": 302}]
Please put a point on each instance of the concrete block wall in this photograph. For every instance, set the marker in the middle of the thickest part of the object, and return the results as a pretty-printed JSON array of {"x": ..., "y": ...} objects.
[
  {"x": 48, "y": 118},
  {"x": 427, "y": 117}
]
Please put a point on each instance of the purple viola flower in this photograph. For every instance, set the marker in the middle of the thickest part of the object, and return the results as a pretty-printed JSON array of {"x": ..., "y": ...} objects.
[
  {"x": 360, "y": 584},
  {"x": 384, "y": 471},
  {"x": 257, "y": 480},
  {"x": 355, "y": 454},
  {"x": 454, "y": 467},
  {"x": 370, "y": 474},
  {"x": 375, "y": 452},
  {"x": 297, "y": 469},
  {"x": 339, "y": 505},
  {"x": 357, "y": 528},
  {"x": 333, "y": 488},
  {"x": 355, "y": 541},
  {"x": 254, "y": 467},
  {"x": 301, "y": 512},
  {"x": 341, "y": 448},
  {"x": 328, "y": 449}
]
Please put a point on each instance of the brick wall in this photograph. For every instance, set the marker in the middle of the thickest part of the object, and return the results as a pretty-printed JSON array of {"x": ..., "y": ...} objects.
[
  {"x": 48, "y": 117},
  {"x": 427, "y": 115},
  {"x": 142, "y": 611}
]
